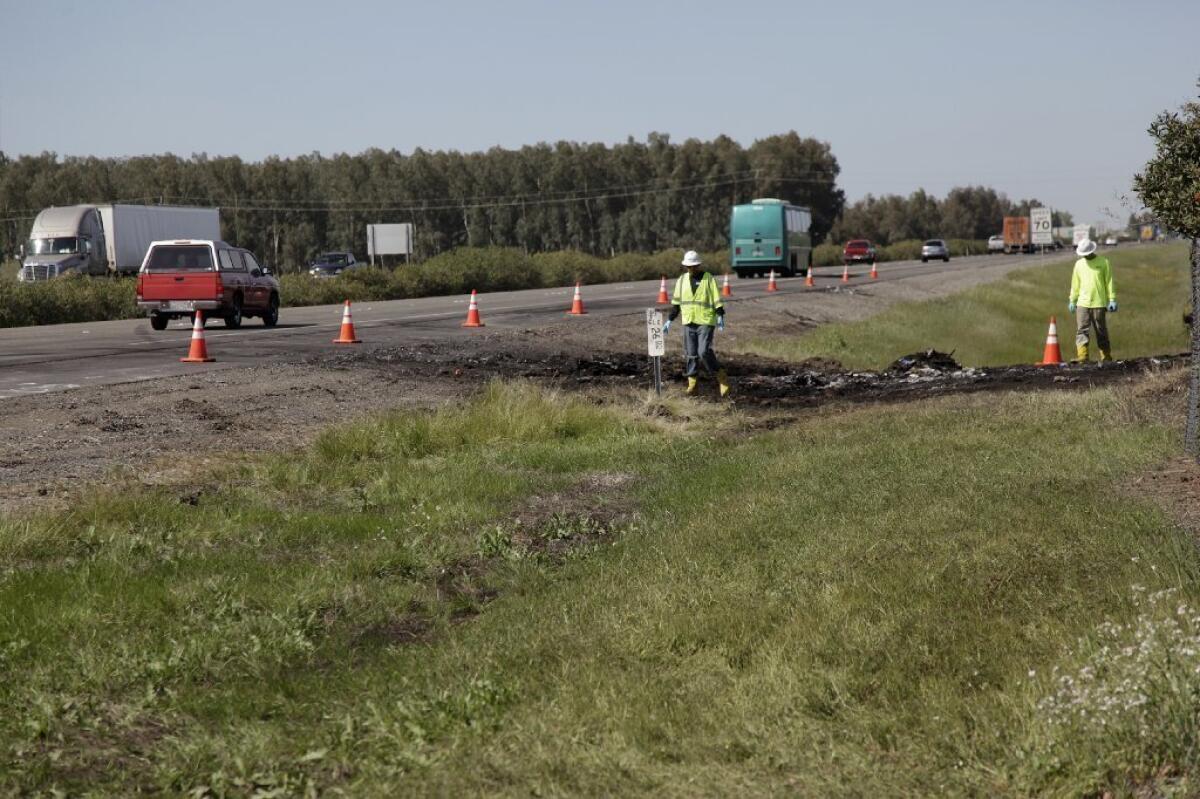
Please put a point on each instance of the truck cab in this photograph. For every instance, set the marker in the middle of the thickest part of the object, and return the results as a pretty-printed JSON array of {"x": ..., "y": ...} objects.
[{"x": 64, "y": 240}]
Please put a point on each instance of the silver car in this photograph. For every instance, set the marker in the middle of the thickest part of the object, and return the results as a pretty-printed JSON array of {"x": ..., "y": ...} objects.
[{"x": 934, "y": 248}]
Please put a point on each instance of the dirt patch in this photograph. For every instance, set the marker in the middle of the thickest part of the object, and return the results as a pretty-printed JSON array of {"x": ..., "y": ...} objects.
[
  {"x": 412, "y": 628},
  {"x": 93, "y": 750},
  {"x": 551, "y": 526},
  {"x": 600, "y": 497},
  {"x": 1175, "y": 487}
]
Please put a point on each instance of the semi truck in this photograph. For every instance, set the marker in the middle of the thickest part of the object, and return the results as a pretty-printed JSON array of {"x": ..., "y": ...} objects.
[
  {"x": 1017, "y": 235},
  {"x": 107, "y": 239}
]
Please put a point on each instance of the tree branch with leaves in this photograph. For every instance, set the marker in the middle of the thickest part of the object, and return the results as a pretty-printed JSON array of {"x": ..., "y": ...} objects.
[{"x": 1170, "y": 186}]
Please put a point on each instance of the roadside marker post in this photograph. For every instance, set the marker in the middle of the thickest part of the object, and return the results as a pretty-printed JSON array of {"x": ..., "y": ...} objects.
[{"x": 656, "y": 344}]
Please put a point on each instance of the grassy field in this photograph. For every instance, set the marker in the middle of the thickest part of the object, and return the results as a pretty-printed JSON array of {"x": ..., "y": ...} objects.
[
  {"x": 544, "y": 594},
  {"x": 535, "y": 594},
  {"x": 1005, "y": 321}
]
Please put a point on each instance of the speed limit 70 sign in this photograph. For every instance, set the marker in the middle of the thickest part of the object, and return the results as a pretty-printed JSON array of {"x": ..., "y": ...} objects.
[{"x": 1039, "y": 223}]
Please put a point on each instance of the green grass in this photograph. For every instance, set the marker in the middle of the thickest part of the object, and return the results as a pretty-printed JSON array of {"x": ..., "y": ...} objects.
[
  {"x": 850, "y": 606},
  {"x": 1005, "y": 322}
]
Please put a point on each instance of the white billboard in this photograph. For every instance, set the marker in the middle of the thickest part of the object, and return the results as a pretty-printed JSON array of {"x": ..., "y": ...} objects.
[
  {"x": 1039, "y": 224},
  {"x": 389, "y": 239},
  {"x": 1081, "y": 232}
]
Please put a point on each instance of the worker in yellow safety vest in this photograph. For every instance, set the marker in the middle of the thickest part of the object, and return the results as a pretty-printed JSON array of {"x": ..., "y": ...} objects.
[
  {"x": 698, "y": 299},
  {"x": 1093, "y": 294}
]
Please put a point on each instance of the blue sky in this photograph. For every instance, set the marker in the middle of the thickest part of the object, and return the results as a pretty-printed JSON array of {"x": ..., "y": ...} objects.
[{"x": 1042, "y": 99}]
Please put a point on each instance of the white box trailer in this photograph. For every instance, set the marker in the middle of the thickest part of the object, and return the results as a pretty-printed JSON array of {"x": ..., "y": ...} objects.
[{"x": 129, "y": 229}]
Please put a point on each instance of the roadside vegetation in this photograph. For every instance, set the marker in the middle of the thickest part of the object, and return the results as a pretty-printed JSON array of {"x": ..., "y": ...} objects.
[
  {"x": 80, "y": 299},
  {"x": 1005, "y": 321},
  {"x": 605, "y": 593},
  {"x": 538, "y": 594}
]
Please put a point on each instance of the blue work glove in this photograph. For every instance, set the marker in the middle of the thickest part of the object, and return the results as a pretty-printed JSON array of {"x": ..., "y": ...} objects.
[
  {"x": 1112, "y": 305},
  {"x": 666, "y": 327},
  {"x": 1071, "y": 307},
  {"x": 720, "y": 323}
]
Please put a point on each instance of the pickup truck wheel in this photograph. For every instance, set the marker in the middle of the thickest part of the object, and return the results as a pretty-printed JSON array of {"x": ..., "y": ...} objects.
[
  {"x": 271, "y": 317},
  {"x": 158, "y": 321},
  {"x": 234, "y": 317}
]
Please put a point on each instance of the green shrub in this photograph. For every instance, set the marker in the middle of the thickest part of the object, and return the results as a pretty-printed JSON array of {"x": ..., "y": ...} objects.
[
  {"x": 827, "y": 255},
  {"x": 68, "y": 299},
  {"x": 907, "y": 250},
  {"x": 568, "y": 266}
]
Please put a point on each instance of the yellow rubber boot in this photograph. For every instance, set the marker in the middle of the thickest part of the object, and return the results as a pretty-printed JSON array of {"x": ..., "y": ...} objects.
[
  {"x": 1105, "y": 355},
  {"x": 723, "y": 382},
  {"x": 693, "y": 385},
  {"x": 1081, "y": 352}
]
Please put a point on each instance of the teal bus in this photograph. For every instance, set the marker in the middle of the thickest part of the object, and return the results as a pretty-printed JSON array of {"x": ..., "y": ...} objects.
[{"x": 770, "y": 234}]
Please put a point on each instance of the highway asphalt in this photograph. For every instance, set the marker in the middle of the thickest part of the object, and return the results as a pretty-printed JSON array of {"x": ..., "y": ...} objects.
[{"x": 37, "y": 360}]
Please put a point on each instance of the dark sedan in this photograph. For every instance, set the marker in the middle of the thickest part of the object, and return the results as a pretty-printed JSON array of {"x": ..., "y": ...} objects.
[{"x": 332, "y": 264}]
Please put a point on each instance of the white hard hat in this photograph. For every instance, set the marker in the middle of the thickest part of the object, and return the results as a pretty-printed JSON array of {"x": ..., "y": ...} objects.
[
  {"x": 691, "y": 258},
  {"x": 1085, "y": 248}
]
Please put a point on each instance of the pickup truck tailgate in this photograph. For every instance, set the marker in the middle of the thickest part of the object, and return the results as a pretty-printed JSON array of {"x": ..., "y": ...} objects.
[{"x": 180, "y": 285}]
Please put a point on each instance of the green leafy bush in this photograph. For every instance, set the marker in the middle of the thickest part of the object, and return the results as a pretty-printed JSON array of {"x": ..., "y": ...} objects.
[{"x": 68, "y": 299}]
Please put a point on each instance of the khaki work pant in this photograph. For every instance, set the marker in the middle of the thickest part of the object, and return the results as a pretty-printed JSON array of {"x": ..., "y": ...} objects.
[{"x": 1087, "y": 320}]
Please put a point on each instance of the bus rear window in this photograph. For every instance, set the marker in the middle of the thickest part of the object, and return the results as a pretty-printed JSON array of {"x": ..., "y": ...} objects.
[{"x": 180, "y": 258}]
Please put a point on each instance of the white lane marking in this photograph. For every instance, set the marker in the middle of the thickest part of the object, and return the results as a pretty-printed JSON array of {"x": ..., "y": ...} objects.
[{"x": 28, "y": 389}]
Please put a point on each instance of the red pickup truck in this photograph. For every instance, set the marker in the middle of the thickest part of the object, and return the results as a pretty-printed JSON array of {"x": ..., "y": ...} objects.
[
  {"x": 178, "y": 278},
  {"x": 858, "y": 251}
]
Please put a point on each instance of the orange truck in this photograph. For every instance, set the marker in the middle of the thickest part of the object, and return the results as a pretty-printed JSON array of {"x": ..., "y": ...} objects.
[{"x": 1017, "y": 235}]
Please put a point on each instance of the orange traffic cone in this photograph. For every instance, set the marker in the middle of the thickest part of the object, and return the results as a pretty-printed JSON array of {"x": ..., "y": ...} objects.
[
  {"x": 198, "y": 353},
  {"x": 771, "y": 286},
  {"x": 347, "y": 334},
  {"x": 1052, "y": 355},
  {"x": 874, "y": 271},
  {"x": 725, "y": 290},
  {"x": 845, "y": 273},
  {"x": 473, "y": 319},
  {"x": 809, "y": 282},
  {"x": 577, "y": 303},
  {"x": 663, "y": 299}
]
